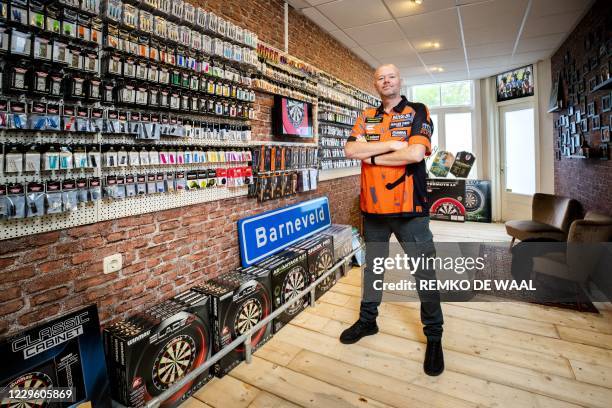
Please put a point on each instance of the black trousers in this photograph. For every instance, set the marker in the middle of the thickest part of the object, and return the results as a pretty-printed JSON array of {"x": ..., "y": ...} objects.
[{"x": 408, "y": 231}]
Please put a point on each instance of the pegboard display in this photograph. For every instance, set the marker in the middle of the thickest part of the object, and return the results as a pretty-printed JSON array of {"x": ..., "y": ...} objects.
[{"x": 85, "y": 82}]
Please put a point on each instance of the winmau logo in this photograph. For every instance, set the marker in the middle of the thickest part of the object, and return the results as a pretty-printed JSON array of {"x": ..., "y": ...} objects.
[{"x": 263, "y": 235}]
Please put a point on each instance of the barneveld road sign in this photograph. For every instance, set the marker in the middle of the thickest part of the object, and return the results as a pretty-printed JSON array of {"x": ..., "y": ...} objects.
[{"x": 265, "y": 234}]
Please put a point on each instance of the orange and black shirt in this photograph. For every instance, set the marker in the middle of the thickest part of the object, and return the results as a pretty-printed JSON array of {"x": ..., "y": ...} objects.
[{"x": 394, "y": 190}]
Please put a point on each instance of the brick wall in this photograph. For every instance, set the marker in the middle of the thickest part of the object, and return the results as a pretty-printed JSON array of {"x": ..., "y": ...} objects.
[
  {"x": 586, "y": 180},
  {"x": 45, "y": 275}
]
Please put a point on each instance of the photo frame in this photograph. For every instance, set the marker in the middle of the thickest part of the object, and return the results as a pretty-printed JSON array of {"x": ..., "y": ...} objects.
[
  {"x": 583, "y": 105},
  {"x": 584, "y": 125},
  {"x": 591, "y": 109},
  {"x": 605, "y": 103},
  {"x": 605, "y": 72},
  {"x": 570, "y": 110},
  {"x": 605, "y": 134},
  {"x": 578, "y": 118},
  {"x": 595, "y": 122},
  {"x": 592, "y": 83},
  {"x": 573, "y": 127}
]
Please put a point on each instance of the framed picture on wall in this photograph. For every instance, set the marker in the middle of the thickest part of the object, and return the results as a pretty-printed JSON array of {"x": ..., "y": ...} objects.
[
  {"x": 592, "y": 83},
  {"x": 583, "y": 105},
  {"x": 573, "y": 127},
  {"x": 605, "y": 134},
  {"x": 605, "y": 72},
  {"x": 570, "y": 110},
  {"x": 517, "y": 83},
  {"x": 593, "y": 62},
  {"x": 605, "y": 103},
  {"x": 595, "y": 122},
  {"x": 577, "y": 116},
  {"x": 591, "y": 109},
  {"x": 584, "y": 125}
]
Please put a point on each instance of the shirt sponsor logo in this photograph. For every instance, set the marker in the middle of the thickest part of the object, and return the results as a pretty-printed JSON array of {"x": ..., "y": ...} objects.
[
  {"x": 403, "y": 116},
  {"x": 399, "y": 133},
  {"x": 375, "y": 119},
  {"x": 373, "y": 138},
  {"x": 370, "y": 128},
  {"x": 426, "y": 130},
  {"x": 403, "y": 123}
]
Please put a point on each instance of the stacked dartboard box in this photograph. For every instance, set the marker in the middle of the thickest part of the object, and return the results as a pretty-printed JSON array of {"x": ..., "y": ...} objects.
[
  {"x": 152, "y": 350},
  {"x": 319, "y": 251}
]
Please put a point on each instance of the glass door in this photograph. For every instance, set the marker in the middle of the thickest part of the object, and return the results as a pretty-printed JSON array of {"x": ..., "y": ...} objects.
[{"x": 518, "y": 168}]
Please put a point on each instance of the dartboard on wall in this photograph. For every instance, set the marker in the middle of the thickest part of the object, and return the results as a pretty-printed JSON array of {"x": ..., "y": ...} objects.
[{"x": 35, "y": 380}]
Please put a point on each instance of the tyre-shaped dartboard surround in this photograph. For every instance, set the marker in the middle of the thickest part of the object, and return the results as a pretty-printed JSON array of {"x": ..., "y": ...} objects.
[
  {"x": 163, "y": 363},
  {"x": 296, "y": 280},
  {"x": 447, "y": 206},
  {"x": 247, "y": 312},
  {"x": 474, "y": 199},
  {"x": 35, "y": 380}
]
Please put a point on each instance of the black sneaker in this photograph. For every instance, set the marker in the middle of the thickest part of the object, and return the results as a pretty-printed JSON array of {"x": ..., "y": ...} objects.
[
  {"x": 434, "y": 359},
  {"x": 358, "y": 330}
]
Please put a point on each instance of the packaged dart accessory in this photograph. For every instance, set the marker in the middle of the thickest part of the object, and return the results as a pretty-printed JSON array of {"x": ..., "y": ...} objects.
[
  {"x": 79, "y": 155},
  {"x": 114, "y": 10},
  {"x": 130, "y": 16},
  {"x": 53, "y": 197},
  {"x": 160, "y": 183},
  {"x": 120, "y": 192},
  {"x": 65, "y": 158},
  {"x": 15, "y": 201},
  {"x": 130, "y": 186},
  {"x": 69, "y": 118},
  {"x": 35, "y": 199},
  {"x": 93, "y": 156},
  {"x": 82, "y": 191},
  {"x": 141, "y": 184},
  {"x": 95, "y": 189},
  {"x": 32, "y": 159},
  {"x": 110, "y": 187},
  {"x": 53, "y": 117},
  {"x": 82, "y": 119},
  {"x": 151, "y": 184},
  {"x": 110, "y": 157},
  {"x": 70, "y": 196},
  {"x": 21, "y": 43}
]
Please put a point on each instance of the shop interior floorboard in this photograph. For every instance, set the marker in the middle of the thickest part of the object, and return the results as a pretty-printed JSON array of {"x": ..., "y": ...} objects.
[{"x": 498, "y": 354}]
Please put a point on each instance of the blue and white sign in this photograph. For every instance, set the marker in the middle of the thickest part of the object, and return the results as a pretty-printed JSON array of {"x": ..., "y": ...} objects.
[{"x": 265, "y": 234}]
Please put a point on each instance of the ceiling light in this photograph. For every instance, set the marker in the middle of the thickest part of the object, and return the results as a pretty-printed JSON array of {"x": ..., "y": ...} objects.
[
  {"x": 417, "y": 1},
  {"x": 435, "y": 44}
]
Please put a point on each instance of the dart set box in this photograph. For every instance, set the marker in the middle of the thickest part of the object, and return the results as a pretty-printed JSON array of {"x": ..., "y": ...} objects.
[
  {"x": 320, "y": 257},
  {"x": 239, "y": 301},
  {"x": 63, "y": 353},
  {"x": 342, "y": 236},
  {"x": 152, "y": 350},
  {"x": 289, "y": 277},
  {"x": 447, "y": 199},
  {"x": 478, "y": 200}
]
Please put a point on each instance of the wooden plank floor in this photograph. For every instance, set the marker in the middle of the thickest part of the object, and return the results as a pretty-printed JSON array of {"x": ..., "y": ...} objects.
[{"x": 497, "y": 354}]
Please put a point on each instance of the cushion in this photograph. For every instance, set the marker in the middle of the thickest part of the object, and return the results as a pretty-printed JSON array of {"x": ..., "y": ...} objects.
[{"x": 524, "y": 229}]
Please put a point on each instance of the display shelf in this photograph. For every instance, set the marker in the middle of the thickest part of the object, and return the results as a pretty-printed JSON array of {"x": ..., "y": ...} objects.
[
  {"x": 332, "y": 174},
  {"x": 607, "y": 84},
  {"x": 285, "y": 83},
  {"x": 329, "y": 122}
]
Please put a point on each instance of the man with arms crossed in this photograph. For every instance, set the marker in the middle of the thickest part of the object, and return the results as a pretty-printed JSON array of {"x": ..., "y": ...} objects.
[{"x": 392, "y": 142}]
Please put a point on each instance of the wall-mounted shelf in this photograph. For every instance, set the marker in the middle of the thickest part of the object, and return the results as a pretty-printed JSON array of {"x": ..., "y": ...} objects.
[{"x": 607, "y": 84}]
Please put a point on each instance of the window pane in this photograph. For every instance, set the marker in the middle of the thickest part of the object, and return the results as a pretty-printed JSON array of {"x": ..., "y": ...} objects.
[
  {"x": 458, "y": 132},
  {"x": 519, "y": 149},
  {"x": 456, "y": 93},
  {"x": 427, "y": 94}
]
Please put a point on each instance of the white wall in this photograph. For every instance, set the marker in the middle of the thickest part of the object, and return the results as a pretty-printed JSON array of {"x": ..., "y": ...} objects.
[{"x": 545, "y": 128}]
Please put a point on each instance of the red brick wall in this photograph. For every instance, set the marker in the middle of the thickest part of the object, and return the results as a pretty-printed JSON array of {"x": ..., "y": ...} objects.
[
  {"x": 165, "y": 252},
  {"x": 586, "y": 180}
]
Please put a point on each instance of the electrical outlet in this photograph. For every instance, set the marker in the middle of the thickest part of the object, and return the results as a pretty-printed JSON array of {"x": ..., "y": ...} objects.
[{"x": 113, "y": 263}]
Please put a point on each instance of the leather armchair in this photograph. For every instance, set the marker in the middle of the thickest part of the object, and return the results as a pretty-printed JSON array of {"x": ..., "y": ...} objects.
[
  {"x": 578, "y": 262},
  {"x": 551, "y": 218}
]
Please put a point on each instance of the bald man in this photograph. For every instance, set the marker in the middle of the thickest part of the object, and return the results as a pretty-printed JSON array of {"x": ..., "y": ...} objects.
[{"x": 392, "y": 141}]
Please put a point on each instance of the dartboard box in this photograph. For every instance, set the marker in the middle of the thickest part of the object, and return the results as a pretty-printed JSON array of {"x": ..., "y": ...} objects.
[
  {"x": 239, "y": 301},
  {"x": 319, "y": 251},
  {"x": 478, "y": 200},
  {"x": 342, "y": 236},
  {"x": 446, "y": 199},
  {"x": 289, "y": 276},
  {"x": 151, "y": 350},
  {"x": 64, "y": 352}
]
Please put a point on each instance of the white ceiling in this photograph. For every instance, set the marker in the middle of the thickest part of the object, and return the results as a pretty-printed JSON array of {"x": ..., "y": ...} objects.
[{"x": 447, "y": 40}]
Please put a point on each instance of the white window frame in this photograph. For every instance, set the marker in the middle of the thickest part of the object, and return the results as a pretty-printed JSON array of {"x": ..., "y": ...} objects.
[{"x": 441, "y": 111}]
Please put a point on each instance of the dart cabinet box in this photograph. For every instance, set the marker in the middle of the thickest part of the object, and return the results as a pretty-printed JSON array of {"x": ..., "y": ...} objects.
[
  {"x": 447, "y": 199},
  {"x": 342, "y": 236},
  {"x": 289, "y": 276},
  {"x": 65, "y": 352},
  {"x": 319, "y": 251},
  {"x": 478, "y": 200},
  {"x": 239, "y": 301},
  {"x": 150, "y": 351}
]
